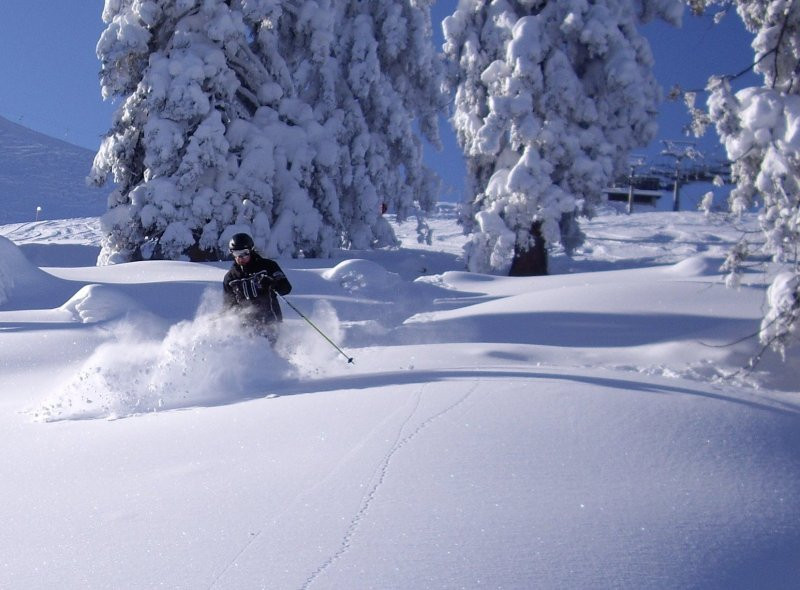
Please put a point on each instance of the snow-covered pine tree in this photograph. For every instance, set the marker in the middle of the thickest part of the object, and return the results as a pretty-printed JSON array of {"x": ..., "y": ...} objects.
[
  {"x": 371, "y": 74},
  {"x": 551, "y": 95},
  {"x": 194, "y": 156},
  {"x": 292, "y": 121},
  {"x": 760, "y": 129},
  {"x": 392, "y": 92}
]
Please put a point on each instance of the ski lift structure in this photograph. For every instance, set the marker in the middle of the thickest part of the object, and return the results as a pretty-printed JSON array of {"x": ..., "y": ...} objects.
[
  {"x": 680, "y": 163},
  {"x": 635, "y": 189}
]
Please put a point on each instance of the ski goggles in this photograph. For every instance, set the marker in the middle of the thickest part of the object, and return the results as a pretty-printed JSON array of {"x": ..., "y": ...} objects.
[{"x": 240, "y": 253}]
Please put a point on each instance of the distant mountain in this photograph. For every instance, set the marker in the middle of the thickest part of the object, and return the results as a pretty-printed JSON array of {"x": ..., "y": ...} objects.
[{"x": 41, "y": 171}]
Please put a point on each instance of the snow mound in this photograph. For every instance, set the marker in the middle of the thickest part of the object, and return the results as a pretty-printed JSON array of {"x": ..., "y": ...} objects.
[
  {"x": 98, "y": 303},
  {"x": 359, "y": 275},
  {"x": 15, "y": 269},
  {"x": 696, "y": 266}
]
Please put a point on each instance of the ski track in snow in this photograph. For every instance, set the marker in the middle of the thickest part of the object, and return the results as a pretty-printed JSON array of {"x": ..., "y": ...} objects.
[
  {"x": 381, "y": 474},
  {"x": 306, "y": 493},
  {"x": 378, "y": 477}
]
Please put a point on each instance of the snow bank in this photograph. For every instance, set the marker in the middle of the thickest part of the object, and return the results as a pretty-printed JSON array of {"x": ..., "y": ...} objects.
[
  {"x": 15, "y": 270},
  {"x": 359, "y": 275},
  {"x": 696, "y": 266},
  {"x": 97, "y": 303}
]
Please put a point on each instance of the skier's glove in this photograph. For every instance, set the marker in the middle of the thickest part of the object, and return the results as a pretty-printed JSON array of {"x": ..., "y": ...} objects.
[{"x": 265, "y": 282}]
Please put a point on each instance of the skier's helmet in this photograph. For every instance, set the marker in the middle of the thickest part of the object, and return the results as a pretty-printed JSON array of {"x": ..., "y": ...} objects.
[{"x": 241, "y": 242}]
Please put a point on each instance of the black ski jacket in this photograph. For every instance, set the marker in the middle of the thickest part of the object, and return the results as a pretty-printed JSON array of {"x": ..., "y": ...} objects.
[{"x": 253, "y": 288}]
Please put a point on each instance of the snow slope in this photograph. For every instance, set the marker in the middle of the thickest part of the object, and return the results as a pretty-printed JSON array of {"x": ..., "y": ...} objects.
[
  {"x": 39, "y": 171},
  {"x": 590, "y": 429}
]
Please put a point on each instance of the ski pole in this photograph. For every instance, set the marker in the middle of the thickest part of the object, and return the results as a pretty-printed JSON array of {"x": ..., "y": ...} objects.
[{"x": 310, "y": 323}]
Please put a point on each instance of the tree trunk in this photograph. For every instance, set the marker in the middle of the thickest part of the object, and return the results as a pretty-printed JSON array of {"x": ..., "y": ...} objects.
[{"x": 531, "y": 261}]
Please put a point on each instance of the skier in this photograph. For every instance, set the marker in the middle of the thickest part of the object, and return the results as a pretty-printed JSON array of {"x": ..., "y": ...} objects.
[{"x": 252, "y": 285}]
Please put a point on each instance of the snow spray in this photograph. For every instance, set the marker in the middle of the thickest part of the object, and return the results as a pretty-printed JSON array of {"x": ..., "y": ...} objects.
[
  {"x": 206, "y": 361},
  {"x": 209, "y": 360}
]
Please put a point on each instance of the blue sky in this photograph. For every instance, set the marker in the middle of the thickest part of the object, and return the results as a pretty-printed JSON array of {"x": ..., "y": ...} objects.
[{"x": 48, "y": 72}]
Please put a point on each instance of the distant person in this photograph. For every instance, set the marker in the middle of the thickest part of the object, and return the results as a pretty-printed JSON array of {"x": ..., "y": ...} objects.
[{"x": 252, "y": 286}]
